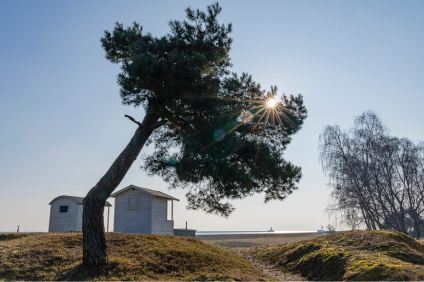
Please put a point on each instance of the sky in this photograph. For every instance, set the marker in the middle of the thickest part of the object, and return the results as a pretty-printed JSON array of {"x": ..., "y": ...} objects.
[{"x": 62, "y": 122}]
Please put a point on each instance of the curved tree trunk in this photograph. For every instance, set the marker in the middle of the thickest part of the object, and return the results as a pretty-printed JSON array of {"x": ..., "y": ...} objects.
[{"x": 94, "y": 242}]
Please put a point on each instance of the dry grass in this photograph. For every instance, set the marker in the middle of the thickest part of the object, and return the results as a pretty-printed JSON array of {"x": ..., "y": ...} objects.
[
  {"x": 356, "y": 255},
  {"x": 46, "y": 256}
]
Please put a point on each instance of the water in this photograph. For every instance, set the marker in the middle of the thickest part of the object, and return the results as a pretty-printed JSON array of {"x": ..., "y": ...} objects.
[{"x": 251, "y": 232}]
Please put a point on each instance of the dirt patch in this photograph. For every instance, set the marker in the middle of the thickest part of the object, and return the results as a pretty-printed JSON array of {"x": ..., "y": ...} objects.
[{"x": 266, "y": 268}]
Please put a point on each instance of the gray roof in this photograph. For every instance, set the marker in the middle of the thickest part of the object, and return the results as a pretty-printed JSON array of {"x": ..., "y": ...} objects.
[
  {"x": 78, "y": 200},
  {"x": 151, "y": 192}
]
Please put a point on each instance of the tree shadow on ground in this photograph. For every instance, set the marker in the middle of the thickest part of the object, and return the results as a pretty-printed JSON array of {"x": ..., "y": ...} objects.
[{"x": 81, "y": 272}]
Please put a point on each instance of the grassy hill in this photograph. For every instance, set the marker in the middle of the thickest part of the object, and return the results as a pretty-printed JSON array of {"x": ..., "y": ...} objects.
[
  {"x": 43, "y": 256},
  {"x": 354, "y": 255}
]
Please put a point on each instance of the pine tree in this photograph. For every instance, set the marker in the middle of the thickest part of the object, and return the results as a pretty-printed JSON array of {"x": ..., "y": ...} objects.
[{"x": 215, "y": 133}]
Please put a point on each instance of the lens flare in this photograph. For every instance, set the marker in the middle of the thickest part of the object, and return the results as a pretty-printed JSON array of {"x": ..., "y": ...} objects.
[
  {"x": 271, "y": 103},
  {"x": 262, "y": 113}
]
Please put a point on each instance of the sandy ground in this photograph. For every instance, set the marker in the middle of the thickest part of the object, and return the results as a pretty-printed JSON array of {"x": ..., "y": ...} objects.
[
  {"x": 241, "y": 244},
  {"x": 269, "y": 270},
  {"x": 255, "y": 240}
]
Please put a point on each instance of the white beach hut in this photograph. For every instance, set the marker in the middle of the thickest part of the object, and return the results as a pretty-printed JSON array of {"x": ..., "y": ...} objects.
[
  {"x": 66, "y": 214},
  {"x": 142, "y": 210}
]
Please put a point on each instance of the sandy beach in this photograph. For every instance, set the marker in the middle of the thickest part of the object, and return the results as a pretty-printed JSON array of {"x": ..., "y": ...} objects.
[{"x": 256, "y": 240}]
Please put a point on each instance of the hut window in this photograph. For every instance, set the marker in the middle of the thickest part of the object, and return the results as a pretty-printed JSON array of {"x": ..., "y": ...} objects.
[
  {"x": 132, "y": 203},
  {"x": 63, "y": 209}
]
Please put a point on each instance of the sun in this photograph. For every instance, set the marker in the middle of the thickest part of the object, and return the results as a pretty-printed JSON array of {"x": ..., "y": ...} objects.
[{"x": 271, "y": 103}]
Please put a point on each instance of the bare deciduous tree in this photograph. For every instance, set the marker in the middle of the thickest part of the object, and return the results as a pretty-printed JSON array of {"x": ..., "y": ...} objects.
[{"x": 377, "y": 179}]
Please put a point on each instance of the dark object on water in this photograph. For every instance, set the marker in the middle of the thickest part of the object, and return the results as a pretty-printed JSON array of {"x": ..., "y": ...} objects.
[{"x": 321, "y": 230}]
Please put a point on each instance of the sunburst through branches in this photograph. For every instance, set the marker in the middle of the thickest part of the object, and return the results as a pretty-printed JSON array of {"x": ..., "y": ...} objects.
[{"x": 269, "y": 110}]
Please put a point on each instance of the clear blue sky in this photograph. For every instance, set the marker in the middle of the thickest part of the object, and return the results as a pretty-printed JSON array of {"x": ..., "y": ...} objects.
[{"x": 62, "y": 124}]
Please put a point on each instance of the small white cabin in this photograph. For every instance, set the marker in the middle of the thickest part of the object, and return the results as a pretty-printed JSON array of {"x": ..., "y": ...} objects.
[
  {"x": 66, "y": 214},
  {"x": 142, "y": 210}
]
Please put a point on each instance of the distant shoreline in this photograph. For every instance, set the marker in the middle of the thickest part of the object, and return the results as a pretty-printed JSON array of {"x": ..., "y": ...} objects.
[
  {"x": 230, "y": 235},
  {"x": 249, "y": 235},
  {"x": 253, "y": 232}
]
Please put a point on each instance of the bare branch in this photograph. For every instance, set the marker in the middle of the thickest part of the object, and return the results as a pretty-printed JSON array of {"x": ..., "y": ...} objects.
[{"x": 133, "y": 120}]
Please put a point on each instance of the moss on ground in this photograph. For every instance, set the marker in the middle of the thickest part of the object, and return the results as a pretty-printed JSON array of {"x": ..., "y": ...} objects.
[
  {"x": 353, "y": 255},
  {"x": 46, "y": 256}
]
